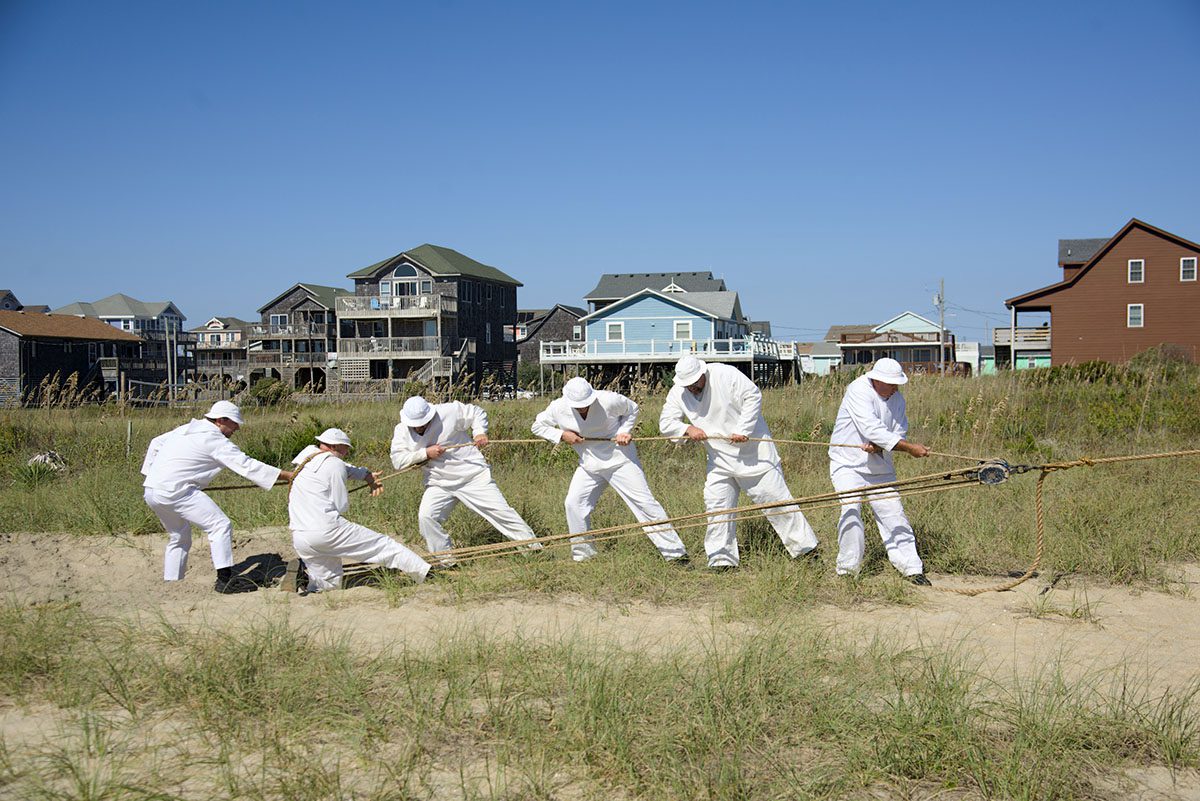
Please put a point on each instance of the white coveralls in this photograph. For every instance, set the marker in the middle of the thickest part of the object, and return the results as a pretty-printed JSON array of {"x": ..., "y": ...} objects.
[
  {"x": 178, "y": 465},
  {"x": 866, "y": 417},
  {"x": 323, "y": 538},
  {"x": 602, "y": 464},
  {"x": 732, "y": 404},
  {"x": 459, "y": 475}
]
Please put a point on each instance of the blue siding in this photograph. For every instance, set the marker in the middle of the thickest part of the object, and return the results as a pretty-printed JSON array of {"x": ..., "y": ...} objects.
[{"x": 647, "y": 319}]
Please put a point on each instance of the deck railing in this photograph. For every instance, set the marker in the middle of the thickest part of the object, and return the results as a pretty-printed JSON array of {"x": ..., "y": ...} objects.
[
  {"x": 746, "y": 348},
  {"x": 383, "y": 304},
  {"x": 1027, "y": 338}
]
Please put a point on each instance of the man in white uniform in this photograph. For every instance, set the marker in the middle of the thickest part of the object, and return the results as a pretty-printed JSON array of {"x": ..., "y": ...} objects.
[
  {"x": 321, "y": 535},
  {"x": 178, "y": 466},
  {"x": 872, "y": 416},
  {"x": 717, "y": 405},
  {"x": 428, "y": 434},
  {"x": 583, "y": 414}
]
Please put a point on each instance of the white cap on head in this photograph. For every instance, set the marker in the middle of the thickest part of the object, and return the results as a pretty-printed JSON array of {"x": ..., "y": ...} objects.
[
  {"x": 579, "y": 393},
  {"x": 888, "y": 371},
  {"x": 416, "y": 412},
  {"x": 688, "y": 371},
  {"x": 224, "y": 409},
  {"x": 334, "y": 436}
]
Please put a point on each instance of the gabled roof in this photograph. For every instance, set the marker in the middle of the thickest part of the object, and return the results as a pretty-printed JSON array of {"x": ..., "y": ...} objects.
[
  {"x": 325, "y": 295},
  {"x": 1078, "y": 251},
  {"x": 835, "y": 332},
  {"x": 62, "y": 326},
  {"x": 227, "y": 322},
  {"x": 826, "y": 350},
  {"x": 883, "y": 326},
  {"x": 613, "y": 286},
  {"x": 439, "y": 261},
  {"x": 536, "y": 323},
  {"x": 721, "y": 305},
  {"x": 1096, "y": 257},
  {"x": 121, "y": 305}
]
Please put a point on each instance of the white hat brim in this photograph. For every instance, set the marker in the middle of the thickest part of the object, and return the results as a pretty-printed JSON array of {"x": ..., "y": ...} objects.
[
  {"x": 888, "y": 379},
  {"x": 415, "y": 422}
]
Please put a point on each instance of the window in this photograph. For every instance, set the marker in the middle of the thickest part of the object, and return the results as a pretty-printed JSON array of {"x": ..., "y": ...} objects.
[
  {"x": 427, "y": 287},
  {"x": 614, "y": 332},
  {"x": 1187, "y": 268},
  {"x": 405, "y": 271},
  {"x": 683, "y": 329},
  {"x": 487, "y": 333},
  {"x": 1137, "y": 271},
  {"x": 576, "y": 332},
  {"x": 1133, "y": 315},
  {"x": 489, "y": 292},
  {"x": 385, "y": 289},
  {"x": 278, "y": 319}
]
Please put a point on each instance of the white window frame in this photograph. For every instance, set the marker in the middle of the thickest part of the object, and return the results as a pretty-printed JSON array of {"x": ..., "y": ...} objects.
[
  {"x": 675, "y": 330},
  {"x": 577, "y": 333},
  {"x": 1141, "y": 307},
  {"x": 1141, "y": 279},
  {"x": 1182, "y": 274},
  {"x": 608, "y": 331},
  {"x": 276, "y": 321}
]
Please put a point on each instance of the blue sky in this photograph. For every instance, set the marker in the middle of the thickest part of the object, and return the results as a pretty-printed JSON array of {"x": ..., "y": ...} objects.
[{"x": 832, "y": 161}]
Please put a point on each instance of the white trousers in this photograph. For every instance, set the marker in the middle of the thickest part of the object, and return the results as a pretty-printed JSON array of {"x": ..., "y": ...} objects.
[
  {"x": 629, "y": 481},
  {"x": 323, "y": 552},
  {"x": 897, "y": 534},
  {"x": 721, "y": 492},
  {"x": 482, "y": 496},
  {"x": 178, "y": 515}
]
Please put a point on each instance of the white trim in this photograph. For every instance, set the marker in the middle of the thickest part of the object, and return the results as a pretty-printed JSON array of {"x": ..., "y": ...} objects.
[
  {"x": 675, "y": 330},
  {"x": 1194, "y": 261},
  {"x": 1141, "y": 307},
  {"x": 608, "y": 337},
  {"x": 673, "y": 288},
  {"x": 1129, "y": 273},
  {"x": 672, "y": 300}
]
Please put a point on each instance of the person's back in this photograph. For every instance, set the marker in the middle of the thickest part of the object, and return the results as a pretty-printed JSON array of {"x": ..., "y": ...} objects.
[{"x": 318, "y": 496}]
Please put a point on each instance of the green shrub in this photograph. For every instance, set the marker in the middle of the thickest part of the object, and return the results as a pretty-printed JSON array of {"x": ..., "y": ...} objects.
[{"x": 269, "y": 392}]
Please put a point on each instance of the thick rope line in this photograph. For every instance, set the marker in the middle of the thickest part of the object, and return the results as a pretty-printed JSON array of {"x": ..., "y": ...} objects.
[{"x": 917, "y": 482}]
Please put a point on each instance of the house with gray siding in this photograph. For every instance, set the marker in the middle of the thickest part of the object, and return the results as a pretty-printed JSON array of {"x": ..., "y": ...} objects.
[
  {"x": 428, "y": 314},
  {"x": 221, "y": 350},
  {"x": 49, "y": 347},
  {"x": 295, "y": 338},
  {"x": 561, "y": 323}
]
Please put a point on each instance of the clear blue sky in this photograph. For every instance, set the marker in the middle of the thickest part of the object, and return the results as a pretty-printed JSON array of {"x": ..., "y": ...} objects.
[{"x": 832, "y": 161}]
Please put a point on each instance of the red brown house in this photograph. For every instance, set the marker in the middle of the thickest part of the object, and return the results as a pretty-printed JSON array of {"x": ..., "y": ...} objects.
[{"x": 1117, "y": 298}]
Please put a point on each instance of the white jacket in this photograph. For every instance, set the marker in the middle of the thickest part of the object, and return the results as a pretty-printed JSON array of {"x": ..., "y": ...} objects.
[
  {"x": 611, "y": 414},
  {"x": 453, "y": 423},
  {"x": 866, "y": 417},
  {"x": 729, "y": 404},
  {"x": 319, "y": 497},
  {"x": 190, "y": 456}
]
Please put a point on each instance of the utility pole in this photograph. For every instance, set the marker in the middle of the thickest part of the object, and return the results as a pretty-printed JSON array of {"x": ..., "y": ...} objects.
[{"x": 939, "y": 300}]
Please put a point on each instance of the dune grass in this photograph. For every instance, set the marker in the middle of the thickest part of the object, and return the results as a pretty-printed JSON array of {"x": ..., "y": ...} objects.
[{"x": 274, "y": 711}]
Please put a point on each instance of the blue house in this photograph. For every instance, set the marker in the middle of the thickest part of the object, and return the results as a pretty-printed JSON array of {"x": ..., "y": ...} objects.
[{"x": 644, "y": 333}]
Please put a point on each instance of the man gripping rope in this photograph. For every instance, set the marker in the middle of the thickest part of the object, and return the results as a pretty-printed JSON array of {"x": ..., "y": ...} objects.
[
  {"x": 582, "y": 414},
  {"x": 446, "y": 438},
  {"x": 321, "y": 535},
  {"x": 178, "y": 466},
  {"x": 872, "y": 416},
  {"x": 717, "y": 405}
]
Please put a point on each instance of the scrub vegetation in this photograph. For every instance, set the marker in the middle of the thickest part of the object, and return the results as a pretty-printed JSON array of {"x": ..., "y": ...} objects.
[{"x": 276, "y": 710}]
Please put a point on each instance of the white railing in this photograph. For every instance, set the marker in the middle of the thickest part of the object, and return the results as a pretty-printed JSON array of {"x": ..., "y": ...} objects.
[
  {"x": 377, "y": 303},
  {"x": 1028, "y": 338},
  {"x": 389, "y": 345},
  {"x": 662, "y": 349},
  {"x": 290, "y": 329}
]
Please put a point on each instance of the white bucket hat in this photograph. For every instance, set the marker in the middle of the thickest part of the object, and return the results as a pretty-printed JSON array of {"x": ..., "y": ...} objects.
[
  {"x": 416, "y": 412},
  {"x": 888, "y": 371},
  {"x": 224, "y": 409},
  {"x": 334, "y": 436},
  {"x": 579, "y": 393},
  {"x": 688, "y": 371}
]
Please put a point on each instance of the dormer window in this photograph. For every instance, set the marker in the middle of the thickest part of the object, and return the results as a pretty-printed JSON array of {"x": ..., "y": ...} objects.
[{"x": 674, "y": 287}]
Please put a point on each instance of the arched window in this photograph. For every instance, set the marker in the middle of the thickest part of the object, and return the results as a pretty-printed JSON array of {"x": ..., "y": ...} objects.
[{"x": 405, "y": 271}]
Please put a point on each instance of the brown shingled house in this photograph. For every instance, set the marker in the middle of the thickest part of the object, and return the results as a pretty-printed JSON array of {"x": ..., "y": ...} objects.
[
  {"x": 1117, "y": 298},
  {"x": 34, "y": 347}
]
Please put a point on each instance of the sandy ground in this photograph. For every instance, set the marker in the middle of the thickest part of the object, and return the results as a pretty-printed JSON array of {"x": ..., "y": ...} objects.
[{"x": 1084, "y": 629}]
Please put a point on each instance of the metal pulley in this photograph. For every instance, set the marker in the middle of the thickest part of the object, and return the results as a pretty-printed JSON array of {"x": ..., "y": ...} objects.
[{"x": 994, "y": 471}]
